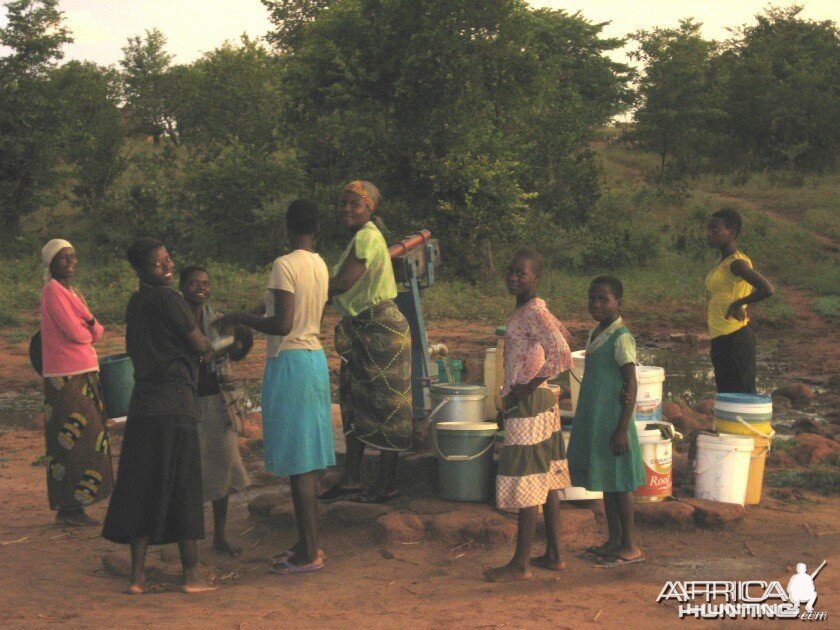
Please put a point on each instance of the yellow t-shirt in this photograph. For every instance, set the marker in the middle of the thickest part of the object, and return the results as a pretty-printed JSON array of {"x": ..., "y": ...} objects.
[{"x": 722, "y": 288}]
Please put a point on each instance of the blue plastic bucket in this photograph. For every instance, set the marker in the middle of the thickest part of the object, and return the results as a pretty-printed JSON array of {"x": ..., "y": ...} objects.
[
  {"x": 465, "y": 460},
  {"x": 116, "y": 374}
]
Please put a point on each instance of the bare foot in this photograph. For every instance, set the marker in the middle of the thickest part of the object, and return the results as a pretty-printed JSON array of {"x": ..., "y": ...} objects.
[
  {"x": 625, "y": 553},
  {"x": 199, "y": 586},
  {"x": 223, "y": 546},
  {"x": 547, "y": 562},
  {"x": 507, "y": 573},
  {"x": 135, "y": 588}
]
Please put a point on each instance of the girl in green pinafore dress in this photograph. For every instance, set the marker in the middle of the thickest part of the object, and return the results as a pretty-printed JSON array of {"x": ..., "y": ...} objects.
[{"x": 604, "y": 452}]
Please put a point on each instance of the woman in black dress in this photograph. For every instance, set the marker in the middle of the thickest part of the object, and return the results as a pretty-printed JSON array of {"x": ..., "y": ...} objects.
[{"x": 158, "y": 496}]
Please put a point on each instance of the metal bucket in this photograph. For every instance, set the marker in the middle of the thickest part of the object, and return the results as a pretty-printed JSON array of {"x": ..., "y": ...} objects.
[
  {"x": 457, "y": 402},
  {"x": 465, "y": 460}
]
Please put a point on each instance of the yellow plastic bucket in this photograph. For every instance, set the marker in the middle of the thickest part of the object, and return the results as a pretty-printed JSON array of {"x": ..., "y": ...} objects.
[{"x": 763, "y": 436}]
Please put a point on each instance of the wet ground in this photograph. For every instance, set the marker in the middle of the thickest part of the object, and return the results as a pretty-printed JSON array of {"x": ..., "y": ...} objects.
[{"x": 688, "y": 378}]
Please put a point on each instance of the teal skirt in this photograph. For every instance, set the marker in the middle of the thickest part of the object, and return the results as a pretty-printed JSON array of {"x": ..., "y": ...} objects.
[{"x": 297, "y": 421}]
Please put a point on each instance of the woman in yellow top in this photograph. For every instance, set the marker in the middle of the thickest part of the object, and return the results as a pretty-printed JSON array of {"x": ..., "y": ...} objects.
[
  {"x": 374, "y": 343},
  {"x": 730, "y": 286}
]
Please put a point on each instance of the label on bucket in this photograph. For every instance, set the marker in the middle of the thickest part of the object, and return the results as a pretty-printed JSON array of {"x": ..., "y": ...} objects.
[
  {"x": 648, "y": 400},
  {"x": 658, "y": 461},
  {"x": 648, "y": 409}
]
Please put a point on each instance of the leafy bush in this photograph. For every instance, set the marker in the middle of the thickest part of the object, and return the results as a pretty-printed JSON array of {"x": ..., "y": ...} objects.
[{"x": 617, "y": 235}]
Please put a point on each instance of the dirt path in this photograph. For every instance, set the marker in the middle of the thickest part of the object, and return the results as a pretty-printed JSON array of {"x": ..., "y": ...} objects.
[{"x": 826, "y": 242}]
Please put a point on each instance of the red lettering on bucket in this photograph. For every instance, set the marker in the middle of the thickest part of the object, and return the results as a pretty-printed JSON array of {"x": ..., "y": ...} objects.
[{"x": 657, "y": 484}]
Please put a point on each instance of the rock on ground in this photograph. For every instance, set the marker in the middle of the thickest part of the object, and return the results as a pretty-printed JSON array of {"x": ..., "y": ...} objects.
[
  {"x": 811, "y": 448},
  {"x": 715, "y": 514},
  {"x": 262, "y": 504},
  {"x": 425, "y": 505},
  {"x": 398, "y": 527},
  {"x": 781, "y": 460},
  {"x": 798, "y": 393},
  {"x": 350, "y": 514},
  {"x": 676, "y": 515}
]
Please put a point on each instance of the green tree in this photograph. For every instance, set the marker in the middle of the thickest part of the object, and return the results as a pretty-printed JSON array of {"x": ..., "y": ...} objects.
[
  {"x": 30, "y": 123},
  {"x": 231, "y": 92},
  {"x": 89, "y": 100},
  {"x": 678, "y": 100},
  {"x": 289, "y": 17},
  {"x": 781, "y": 80},
  {"x": 441, "y": 103},
  {"x": 148, "y": 88}
]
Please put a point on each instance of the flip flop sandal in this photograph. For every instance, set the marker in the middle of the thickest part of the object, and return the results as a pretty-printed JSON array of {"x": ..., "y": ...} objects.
[
  {"x": 288, "y": 553},
  {"x": 372, "y": 496},
  {"x": 336, "y": 491},
  {"x": 284, "y": 567},
  {"x": 611, "y": 562},
  {"x": 594, "y": 552}
]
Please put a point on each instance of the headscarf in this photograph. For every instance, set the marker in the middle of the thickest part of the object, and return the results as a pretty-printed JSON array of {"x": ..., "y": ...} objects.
[
  {"x": 49, "y": 251},
  {"x": 367, "y": 191}
]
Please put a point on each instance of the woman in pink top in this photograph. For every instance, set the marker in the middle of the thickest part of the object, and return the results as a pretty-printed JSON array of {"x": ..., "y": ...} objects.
[{"x": 78, "y": 459}]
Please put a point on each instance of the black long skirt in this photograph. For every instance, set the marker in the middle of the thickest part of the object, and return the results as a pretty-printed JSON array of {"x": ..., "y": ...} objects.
[{"x": 158, "y": 494}]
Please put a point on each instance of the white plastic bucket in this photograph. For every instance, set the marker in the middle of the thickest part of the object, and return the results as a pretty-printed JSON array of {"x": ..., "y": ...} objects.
[
  {"x": 576, "y": 375},
  {"x": 574, "y": 493},
  {"x": 649, "y": 393},
  {"x": 722, "y": 467},
  {"x": 655, "y": 442}
]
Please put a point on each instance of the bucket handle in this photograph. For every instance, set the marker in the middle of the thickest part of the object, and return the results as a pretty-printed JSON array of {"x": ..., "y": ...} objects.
[
  {"x": 669, "y": 429},
  {"x": 441, "y": 405},
  {"x": 756, "y": 431},
  {"x": 459, "y": 458}
]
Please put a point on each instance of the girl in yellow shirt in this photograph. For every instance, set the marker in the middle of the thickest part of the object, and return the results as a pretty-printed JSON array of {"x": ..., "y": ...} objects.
[{"x": 730, "y": 286}]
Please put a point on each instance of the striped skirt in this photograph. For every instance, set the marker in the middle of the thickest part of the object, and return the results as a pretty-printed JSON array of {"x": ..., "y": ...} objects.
[{"x": 532, "y": 460}]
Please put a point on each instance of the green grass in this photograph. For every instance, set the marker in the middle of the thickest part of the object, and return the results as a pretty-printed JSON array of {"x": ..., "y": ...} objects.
[
  {"x": 822, "y": 481},
  {"x": 668, "y": 288},
  {"x": 828, "y": 307}
]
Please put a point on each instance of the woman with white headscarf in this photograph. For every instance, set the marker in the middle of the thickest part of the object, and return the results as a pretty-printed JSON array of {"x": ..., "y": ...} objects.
[{"x": 78, "y": 461}]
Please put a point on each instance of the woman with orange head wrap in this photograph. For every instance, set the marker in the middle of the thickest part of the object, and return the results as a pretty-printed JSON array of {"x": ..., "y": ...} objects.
[{"x": 374, "y": 342}]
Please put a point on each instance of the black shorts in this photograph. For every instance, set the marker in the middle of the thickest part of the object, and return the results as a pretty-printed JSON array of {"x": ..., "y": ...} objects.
[{"x": 733, "y": 358}]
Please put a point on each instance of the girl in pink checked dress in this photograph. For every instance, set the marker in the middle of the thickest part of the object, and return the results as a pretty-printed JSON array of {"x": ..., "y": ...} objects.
[{"x": 532, "y": 461}]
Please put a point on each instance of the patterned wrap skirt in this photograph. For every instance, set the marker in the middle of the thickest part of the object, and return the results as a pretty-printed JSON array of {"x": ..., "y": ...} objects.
[
  {"x": 532, "y": 460},
  {"x": 78, "y": 461},
  {"x": 375, "y": 377}
]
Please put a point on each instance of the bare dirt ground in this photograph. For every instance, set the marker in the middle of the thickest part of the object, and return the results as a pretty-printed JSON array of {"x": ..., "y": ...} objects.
[{"x": 51, "y": 575}]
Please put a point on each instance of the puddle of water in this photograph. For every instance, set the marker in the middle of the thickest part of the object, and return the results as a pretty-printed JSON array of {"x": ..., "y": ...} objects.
[
  {"x": 689, "y": 377},
  {"x": 18, "y": 409}
]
